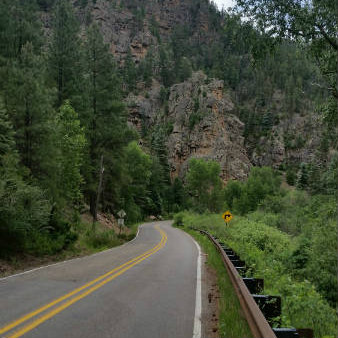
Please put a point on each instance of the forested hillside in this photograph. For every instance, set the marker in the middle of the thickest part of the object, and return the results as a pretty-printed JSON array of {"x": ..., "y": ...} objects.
[{"x": 129, "y": 92}]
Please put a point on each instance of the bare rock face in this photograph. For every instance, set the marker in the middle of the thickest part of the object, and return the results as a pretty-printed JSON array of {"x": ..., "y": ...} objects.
[
  {"x": 293, "y": 140},
  {"x": 203, "y": 127},
  {"x": 270, "y": 150},
  {"x": 143, "y": 108},
  {"x": 131, "y": 24},
  {"x": 121, "y": 31}
]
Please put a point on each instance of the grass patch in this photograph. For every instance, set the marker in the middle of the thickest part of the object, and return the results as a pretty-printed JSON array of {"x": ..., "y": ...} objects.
[
  {"x": 231, "y": 320},
  {"x": 91, "y": 241}
]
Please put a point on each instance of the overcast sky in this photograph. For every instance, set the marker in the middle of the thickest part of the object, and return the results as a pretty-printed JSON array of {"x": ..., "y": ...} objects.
[{"x": 225, "y": 3}]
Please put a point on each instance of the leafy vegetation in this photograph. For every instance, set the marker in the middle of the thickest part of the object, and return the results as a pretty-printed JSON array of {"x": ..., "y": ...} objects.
[
  {"x": 204, "y": 184},
  {"x": 275, "y": 256}
]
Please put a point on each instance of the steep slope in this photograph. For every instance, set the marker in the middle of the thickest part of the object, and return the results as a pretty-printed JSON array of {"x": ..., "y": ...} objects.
[{"x": 159, "y": 43}]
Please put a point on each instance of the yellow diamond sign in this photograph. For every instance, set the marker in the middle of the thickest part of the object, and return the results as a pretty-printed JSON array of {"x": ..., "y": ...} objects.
[{"x": 227, "y": 216}]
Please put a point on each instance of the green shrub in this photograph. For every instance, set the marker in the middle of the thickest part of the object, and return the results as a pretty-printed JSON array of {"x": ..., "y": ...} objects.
[
  {"x": 99, "y": 240},
  {"x": 291, "y": 176},
  {"x": 245, "y": 197},
  {"x": 205, "y": 185},
  {"x": 178, "y": 219}
]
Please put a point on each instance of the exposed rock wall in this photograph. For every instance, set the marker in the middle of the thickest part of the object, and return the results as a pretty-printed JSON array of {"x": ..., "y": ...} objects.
[
  {"x": 130, "y": 24},
  {"x": 204, "y": 127},
  {"x": 295, "y": 139}
]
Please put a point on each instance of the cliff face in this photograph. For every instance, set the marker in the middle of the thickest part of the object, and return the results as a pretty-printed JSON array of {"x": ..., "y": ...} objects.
[
  {"x": 202, "y": 125},
  {"x": 295, "y": 139},
  {"x": 137, "y": 25}
]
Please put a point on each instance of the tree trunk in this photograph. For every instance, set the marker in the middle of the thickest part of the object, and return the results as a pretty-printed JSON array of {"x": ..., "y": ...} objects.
[{"x": 99, "y": 189}]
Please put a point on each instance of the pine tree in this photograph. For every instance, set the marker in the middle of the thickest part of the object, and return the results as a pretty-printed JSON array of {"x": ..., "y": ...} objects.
[
  {"x": 105, "y": 121},
  {"x": 29, "y": 103},
  {"x": 71, "y": 142},
  {"x": 302, "y": 176},
  {"x": 7, "y": 143},
  {"x": 166, "y": 73},
  {"x": 146, "y": 68},
  {"x": 65, "y": 52},
  {"x": 23, "y": 208},
  {"x": 129, "y": 72},
  {"x": 184, "y": 69},
  {"x": 19, "y": 24}
]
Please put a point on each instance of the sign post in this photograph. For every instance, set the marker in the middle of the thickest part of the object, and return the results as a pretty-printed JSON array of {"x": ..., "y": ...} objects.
[
  {"x": 227, "y": 216},
  {"x": 122, "y": 214}
]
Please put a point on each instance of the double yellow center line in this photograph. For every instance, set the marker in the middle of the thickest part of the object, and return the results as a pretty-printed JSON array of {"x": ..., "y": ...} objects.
[{"x": 78, "y": 294}]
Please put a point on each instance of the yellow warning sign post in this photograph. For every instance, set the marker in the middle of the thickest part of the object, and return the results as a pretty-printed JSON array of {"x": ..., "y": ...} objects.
[{"x": 227, "y": 216}]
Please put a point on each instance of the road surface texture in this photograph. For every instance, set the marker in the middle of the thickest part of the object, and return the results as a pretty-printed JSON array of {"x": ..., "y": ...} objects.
[{"x": 143, "y": 289}]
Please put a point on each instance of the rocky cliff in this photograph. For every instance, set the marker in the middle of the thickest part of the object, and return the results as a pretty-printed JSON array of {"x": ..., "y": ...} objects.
[
  {"x": 137, "y": 25},
  {"x": 202, "y": 125}
]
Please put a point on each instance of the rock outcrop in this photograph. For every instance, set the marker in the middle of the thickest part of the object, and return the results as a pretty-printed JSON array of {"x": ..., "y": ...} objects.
[
  {"x": 137, "y": 25},
  {"x": 204, "y": 127},
  {"x": 295, "y": 139}
]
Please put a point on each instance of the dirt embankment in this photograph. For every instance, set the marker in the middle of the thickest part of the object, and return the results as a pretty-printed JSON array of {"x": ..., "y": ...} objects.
[{"x": 210, "y": 297}]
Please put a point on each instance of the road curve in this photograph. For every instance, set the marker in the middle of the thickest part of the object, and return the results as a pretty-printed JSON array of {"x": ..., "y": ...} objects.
[{"x": 144, "y": 289}]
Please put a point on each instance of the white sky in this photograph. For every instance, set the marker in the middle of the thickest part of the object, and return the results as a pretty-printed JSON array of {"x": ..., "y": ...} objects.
[{"x": 225, "y": 3}]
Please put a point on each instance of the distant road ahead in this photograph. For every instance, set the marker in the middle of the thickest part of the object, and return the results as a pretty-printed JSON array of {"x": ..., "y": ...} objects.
[{"x": 143, "y": 289}]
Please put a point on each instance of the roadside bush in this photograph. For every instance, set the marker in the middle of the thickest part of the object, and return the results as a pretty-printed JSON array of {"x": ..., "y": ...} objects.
[
  {"x": 40, "y": 244},
  {"x": 99, "y": 240},
  {"x": 24, "y": 210},
  {"x": 178, "y": 219}
]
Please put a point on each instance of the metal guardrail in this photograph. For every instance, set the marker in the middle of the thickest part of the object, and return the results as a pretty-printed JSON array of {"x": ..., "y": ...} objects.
[{"x": 258, "y": 325}]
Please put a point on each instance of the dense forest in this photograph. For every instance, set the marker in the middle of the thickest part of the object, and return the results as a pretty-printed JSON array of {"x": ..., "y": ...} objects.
[{"x": 66, "y": 144}]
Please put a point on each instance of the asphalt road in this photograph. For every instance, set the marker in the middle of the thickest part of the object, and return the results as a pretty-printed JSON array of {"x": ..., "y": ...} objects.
[{"x": 143, "y": 289}]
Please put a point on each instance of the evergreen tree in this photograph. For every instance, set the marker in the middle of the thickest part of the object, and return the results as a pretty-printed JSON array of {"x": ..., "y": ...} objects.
[
  {"x": 180, "y": 197},
  {"x": 64, "y": 53},
  {"x": 19, "y": 24},
  {"x": 146, "y": 68},
  {"x": 71, "y": 142},
  {"x": 136, "y": 193},
  {"x": 160, "y": 182},
  {"x": 29, "y": 103},
  {"x": 105, "y": 121},
  {"x": 184, "y": 69},
  {"x": 7, "y": 143},
  {"x": 166, "y": 73},
  {"x": 129, "y": 72},
  {"x": 157, "y": 188},
  {"x": 23, "y": 208},
  {"x": 302, "y": 176}
]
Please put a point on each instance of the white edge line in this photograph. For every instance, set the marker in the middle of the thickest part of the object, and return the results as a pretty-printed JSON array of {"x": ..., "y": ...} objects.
[
  {"x": 198, "y": 305},
  {"x": 69, "y": 260}
]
